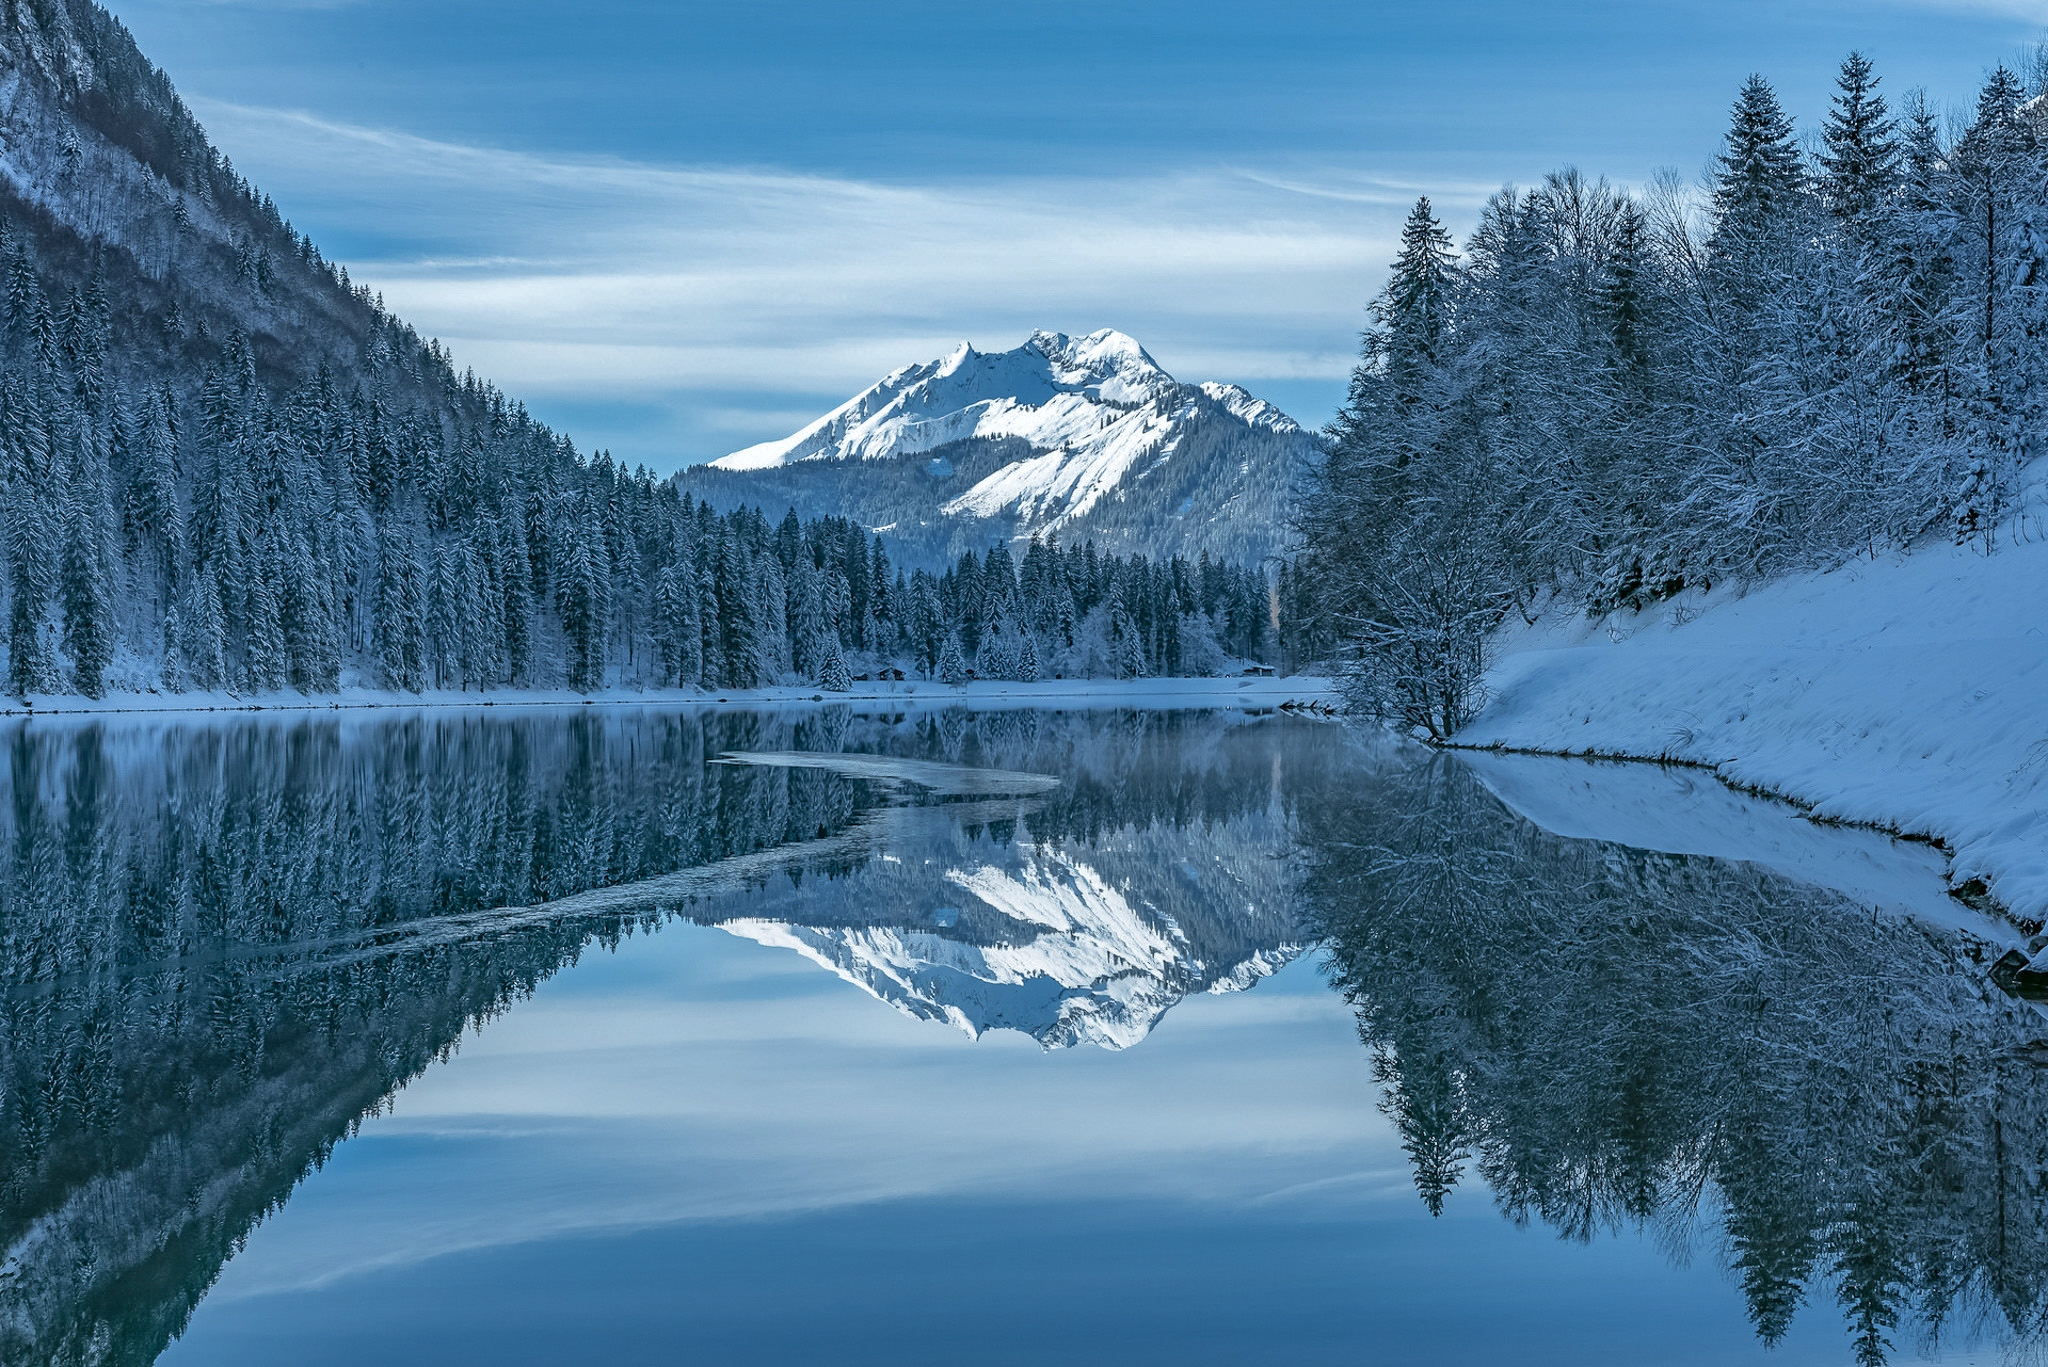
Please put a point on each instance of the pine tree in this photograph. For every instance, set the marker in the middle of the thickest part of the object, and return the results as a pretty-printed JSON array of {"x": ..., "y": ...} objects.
[
  {"x": 205, "y": 629},
  {"x": 580, "y": 596},
  {"x": 739, "y": 603},
  {"x": 515, "y": 574},
  {"x": 711, "y": 649},
  {"x": 997, "y": 658},
  {"x": 401, "y": 612},
  {"x": 952, "y": 664},
  {"x": 446, "y": 624},
  {"x": 86, "y": 591},
  {"x": 833, "y": 675},
  {"x": 676, "y": 629},
  {"x": 1422, "y": 1101},
  {"x": 481, "y": 630},
  {"x": 1993, "y": 169},
  {"x": 30, "y": 519},
  {"x": 1861, "y": 156},
  {"x": 927, "y": 624},
  {"x": 1127, "y": 649},
  {"x": 311, "y": 626},
  {"x": 30, "y": 665},
  {"x": 1761, "y": 179},
  {"x": 172, "y": 670},
  {"x": 153, "y": 513},
  {"x": 1027, "y": 659},
  {"x": 1413, "y": 314},
  {"x": 772, "y": 614},
  {"x": 264, "y": 652}
]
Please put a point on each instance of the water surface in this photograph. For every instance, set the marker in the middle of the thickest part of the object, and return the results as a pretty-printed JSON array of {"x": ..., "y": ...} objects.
[{"x": 645, "y": 1037}]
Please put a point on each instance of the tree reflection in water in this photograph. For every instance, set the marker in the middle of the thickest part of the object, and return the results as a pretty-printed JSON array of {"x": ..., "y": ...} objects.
[{"x": 1613, "y": 1038}]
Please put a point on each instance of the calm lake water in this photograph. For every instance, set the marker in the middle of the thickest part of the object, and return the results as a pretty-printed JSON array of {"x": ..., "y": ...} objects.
[{"x": 605, "y": 1035}]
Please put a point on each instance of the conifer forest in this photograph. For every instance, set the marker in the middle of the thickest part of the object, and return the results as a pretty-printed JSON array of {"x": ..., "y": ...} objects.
[{"x": 1611, "y": 395}]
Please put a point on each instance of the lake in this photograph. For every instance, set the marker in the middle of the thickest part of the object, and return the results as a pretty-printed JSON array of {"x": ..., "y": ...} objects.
[{"x": 636, "y": 1036}]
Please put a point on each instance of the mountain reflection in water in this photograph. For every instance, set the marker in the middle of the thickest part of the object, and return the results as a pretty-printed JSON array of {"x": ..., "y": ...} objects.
[{"x": 227, "y": 945}]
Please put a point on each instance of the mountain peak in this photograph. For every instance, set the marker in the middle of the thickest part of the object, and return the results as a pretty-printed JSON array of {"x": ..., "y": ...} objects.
[
  {"x": 969, "y": 393},
  {"x": 1100, "y": 357},
  {"x": 1046, "y": 438}
]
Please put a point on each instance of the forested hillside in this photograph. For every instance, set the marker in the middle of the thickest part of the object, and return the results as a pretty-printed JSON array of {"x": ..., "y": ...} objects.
[
  {"x": 1612, "y": 397},
  {"x": 226, "y": 466}
]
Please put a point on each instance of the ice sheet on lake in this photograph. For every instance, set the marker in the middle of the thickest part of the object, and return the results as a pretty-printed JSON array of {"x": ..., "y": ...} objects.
[{"x": 946, "y": 780}]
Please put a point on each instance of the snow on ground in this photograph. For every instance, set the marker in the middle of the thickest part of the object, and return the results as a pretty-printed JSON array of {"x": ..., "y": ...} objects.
[
  {"x": 1908, "y": 693},
  {"x": 1058, "y": 694}
]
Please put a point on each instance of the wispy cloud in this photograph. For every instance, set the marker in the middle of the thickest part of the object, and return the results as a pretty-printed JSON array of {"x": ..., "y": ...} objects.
[{"x": 588, "y": 277}]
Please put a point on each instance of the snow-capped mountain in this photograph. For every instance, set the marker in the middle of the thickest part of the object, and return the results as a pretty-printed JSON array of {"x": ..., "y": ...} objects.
[{"x": 1069, "y": 437}]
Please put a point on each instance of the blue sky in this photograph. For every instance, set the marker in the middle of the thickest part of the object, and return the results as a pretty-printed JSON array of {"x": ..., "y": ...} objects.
[{"x": 675, "y": 229}]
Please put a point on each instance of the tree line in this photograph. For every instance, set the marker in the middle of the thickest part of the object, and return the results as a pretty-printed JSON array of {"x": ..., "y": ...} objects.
[{"x": 1612, "y": 397}]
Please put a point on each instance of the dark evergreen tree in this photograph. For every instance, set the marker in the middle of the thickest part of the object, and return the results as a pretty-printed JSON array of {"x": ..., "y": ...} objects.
[
  {"x": 1861, "y": 155},
  {"x": 1762, "y": 181},
  {"x": 1413, "y": 314},
  {"x": 88, "y": 596}
]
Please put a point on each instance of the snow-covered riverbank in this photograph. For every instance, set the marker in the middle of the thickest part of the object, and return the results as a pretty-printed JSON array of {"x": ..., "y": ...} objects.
[
  {"x": 1236, "y": 692},
  {"x": 1910, "y": 694}
]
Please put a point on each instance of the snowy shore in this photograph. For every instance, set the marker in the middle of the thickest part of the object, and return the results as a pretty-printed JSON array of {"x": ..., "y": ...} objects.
[
  {"x": 1070, "y": 694},
  {"x": 1908, "y": 694}
]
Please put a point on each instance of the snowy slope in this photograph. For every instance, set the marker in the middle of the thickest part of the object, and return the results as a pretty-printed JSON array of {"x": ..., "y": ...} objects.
[
  {"x": 1061, "y": 436},
  {"x": 1909, "y": 693},
  {"x": 1050, "y": 389}
]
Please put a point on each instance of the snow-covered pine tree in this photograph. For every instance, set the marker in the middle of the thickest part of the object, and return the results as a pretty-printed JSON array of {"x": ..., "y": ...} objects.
[
  {"x": 833, "y": 675},
  {"x": 1761, "y": 181},
  {"x": 264, "y": 653},
  {"x": 481, "y": 649},
  {"x": 952, "y": 664},
  {"x": 1413, "y": 314},
  {"x": 997, "y": 658},
  {"x": 1995, "y": 176},
  {"x": 1860, "y": 159},
  {"x": 31, "y": 666},
  {"x": 1028, "y": 669},
  {"x": 153, "y": 514},
  {"x": 86, "y": 588},
  {"x": 1127, "y": 650},
  {"x": 203, "y": 646},
  {"x": 581, "y": 598},
  {"x": 675, "y": 618},
  {"x": 401, "y": 612}
]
